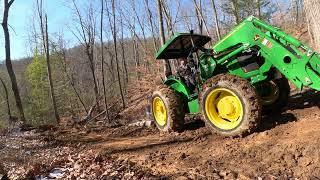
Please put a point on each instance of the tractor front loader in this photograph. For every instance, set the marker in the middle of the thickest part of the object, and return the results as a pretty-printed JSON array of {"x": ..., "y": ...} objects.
[{"x": 232, "y": 83}]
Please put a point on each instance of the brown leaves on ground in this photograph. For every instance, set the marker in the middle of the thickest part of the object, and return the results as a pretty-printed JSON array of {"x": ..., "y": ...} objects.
[
  {"x": 286, "y": 146},
  {"x": 40, "y": 155}
]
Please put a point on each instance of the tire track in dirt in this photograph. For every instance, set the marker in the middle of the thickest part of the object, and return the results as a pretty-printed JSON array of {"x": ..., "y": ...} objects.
[{"x": 285, "y": 146}]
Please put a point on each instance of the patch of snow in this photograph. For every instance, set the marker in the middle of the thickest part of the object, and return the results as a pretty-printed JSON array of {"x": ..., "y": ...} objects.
[{"x": 57, "y": 173}]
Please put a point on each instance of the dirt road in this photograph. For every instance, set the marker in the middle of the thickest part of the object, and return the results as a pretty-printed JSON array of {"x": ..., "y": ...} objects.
[{"x": 285, "y": 146}]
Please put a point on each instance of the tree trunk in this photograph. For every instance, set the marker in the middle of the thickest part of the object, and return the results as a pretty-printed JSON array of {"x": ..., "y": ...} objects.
[
  {"x": 54, "y": 104},
  {"x": 151, "y": 25},
  {"x": 167, "y": 67},
  {"x": 259, "y": 9},
  {"x": 136, "y": 56},
  {"x": 142, "y": 28},
  {"x": 235, "y": 11},
  {"x": 45, "y": 43},
  {"x": 111, "y": 66},
  {"x": 90, "y": 55},
  {"x": 140, "y": 23},
  {"x": 312, "y": 10},
  {"x": 310, "y": 33},
  {"x": 78, "y": 94},
  {"x": 216, "y": 21},
  {"x": 200, "y": 22},
  {"x": 87, "y": 33},
  {"x": 199, "y": 10},
  {"x": 102, "y": 62},
  {"x": 114, "y": 34},
  {"x": 124, "y": 61},
  {"x": 70, "y": 78},
  {"x": 295, "y": 10},
  {"x": 12, "y": 76},
  {"x": 7, "y": 98}
]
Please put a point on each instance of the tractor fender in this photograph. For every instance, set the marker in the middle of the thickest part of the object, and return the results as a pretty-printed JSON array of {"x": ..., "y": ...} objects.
[{"x": 177, "y": 85}]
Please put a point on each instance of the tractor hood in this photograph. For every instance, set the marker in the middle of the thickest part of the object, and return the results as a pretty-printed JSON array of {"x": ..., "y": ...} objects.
[{"x": 179, "y": 45}]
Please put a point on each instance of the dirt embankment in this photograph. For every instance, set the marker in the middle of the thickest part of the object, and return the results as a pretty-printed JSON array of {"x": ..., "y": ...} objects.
[{"x": 285, "y": 146}]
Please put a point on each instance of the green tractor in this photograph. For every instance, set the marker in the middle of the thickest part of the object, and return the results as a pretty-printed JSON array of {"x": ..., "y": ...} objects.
[{"x": 234, "y": 82}]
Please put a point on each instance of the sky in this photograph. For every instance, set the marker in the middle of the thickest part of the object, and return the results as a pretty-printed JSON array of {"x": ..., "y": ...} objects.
[
  {"x": 59, "y": 16},
  {"x": 60, "y": 19}
]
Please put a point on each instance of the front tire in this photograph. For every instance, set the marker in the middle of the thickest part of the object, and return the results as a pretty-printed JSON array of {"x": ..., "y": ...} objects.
[
  {"x": 167, "y": 109},
  {"x": 230, "y": 105}
]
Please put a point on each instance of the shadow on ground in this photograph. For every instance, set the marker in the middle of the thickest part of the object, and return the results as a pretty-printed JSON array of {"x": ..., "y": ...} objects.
[
  {"x": 301, "y": 100},
  {"x": 194, "y": 125},
  {"x": 305, "y": 99}
]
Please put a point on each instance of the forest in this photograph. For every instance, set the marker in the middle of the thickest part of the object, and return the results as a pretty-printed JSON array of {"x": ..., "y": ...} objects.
[
  {"x": 116, "y": 58},
  {"x": 86, "y": 99}
]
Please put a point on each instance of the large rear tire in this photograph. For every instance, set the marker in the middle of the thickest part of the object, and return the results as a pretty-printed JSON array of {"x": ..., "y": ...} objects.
[
  {"x": 230, "y": 105},
  {"x": 168, "y": 110}
]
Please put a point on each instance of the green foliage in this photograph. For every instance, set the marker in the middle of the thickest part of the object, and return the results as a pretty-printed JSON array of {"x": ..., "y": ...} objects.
[
  {"x": 39, "y": 108},
  {"x": 36, "y": 72},
  {"x": 39, "y": 97}
]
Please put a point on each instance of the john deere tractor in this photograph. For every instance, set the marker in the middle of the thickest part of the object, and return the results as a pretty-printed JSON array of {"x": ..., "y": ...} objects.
[{"x": 234, "y": 82}]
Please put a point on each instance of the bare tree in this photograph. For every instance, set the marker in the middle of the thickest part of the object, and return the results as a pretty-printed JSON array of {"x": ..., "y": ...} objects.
[
  {"x": 54, "y": 104},
  {"x": 69, "y": 75},
  {"x": 151, "y": 24},
  {"x": 102, "y": 61},
  {"x": 187, "y": 20},
  {"x": 7, "y": 98},
  {"x": 200, "y": 22},
  {"x": 141, "y": 25},
  {"x": 45, "y": 43},
  {"x": 111, "y": 59},
  {"x": 124, "y": 61},
  {"x": 14, "y": 86},
  {"x": 168, "y": 17},
  {"x": 167, "y": 67},
  {"x": 140, "y": 22},
  {"x": 170, "y": 22},
  {"x": 113, "y": 29},
  {"x": 130, "y": 23},
  {"x": 216, "y": 21},
  {"x": 258, "y": 2},
  {"x": 136, "y": 56},
  {"x": 86, "y": 36},
  {"x": 135, "y": 42},
  {"x": 309, "y": 32},
  {"x": 295, "y": 10},
  {"x": 235, "y": 11},
  {"x": 200, "y": 14},
  {"x": 311, "y": 8}
]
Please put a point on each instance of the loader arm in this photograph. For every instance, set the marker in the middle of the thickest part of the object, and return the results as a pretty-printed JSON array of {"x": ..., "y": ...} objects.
[{"x": 276, "y": 49}]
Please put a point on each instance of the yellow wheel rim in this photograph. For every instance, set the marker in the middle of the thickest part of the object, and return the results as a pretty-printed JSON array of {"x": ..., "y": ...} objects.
[
  {"x": 159, "y": 111},
  {"x": 224, "y": 108}
]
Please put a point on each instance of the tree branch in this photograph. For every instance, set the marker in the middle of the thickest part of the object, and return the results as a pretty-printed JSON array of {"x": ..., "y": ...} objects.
[{"x": 10, "y": 3}]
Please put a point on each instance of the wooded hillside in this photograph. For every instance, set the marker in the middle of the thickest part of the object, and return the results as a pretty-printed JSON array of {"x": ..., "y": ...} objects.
[
  {"x": 115, "y": 55},
  {"x": 87, "y": 100}
]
